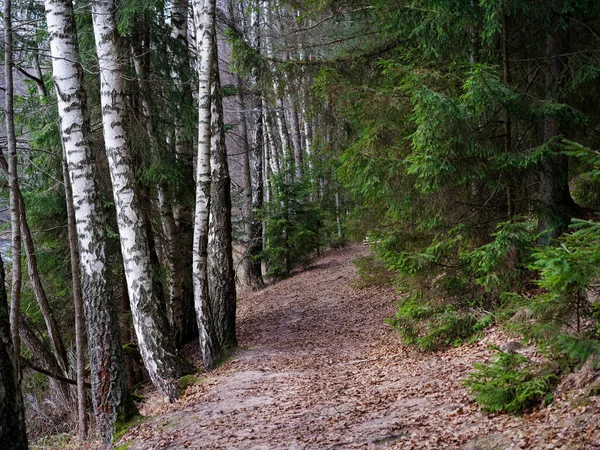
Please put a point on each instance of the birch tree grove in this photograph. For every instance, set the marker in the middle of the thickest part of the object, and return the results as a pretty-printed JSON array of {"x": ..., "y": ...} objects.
[
  {"x": 150, "y": 322},
  {"x": 109, "y": 386}
]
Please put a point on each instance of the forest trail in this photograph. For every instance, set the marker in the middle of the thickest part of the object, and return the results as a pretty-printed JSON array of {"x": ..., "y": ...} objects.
[{"x": 318, "y": 368}]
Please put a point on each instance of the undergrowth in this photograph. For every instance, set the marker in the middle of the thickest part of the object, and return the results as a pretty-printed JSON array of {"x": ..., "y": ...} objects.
[
  {"x": 546, "y": 293},
  {"x": 511, "y": 384}
]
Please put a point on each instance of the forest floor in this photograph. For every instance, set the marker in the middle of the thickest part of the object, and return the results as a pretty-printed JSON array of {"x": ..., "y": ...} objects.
[{"x": 318, "y": 368}]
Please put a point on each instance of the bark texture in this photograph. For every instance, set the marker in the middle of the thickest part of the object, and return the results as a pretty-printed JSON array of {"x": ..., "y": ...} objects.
[
  {"x": 149, "y": 320},
  {"x": 109, "y": 386},
  {"x": 221, "y": 272},
  {"x": 204, "y": 13}
]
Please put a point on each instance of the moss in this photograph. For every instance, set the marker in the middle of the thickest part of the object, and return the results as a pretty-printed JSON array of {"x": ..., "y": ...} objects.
[
  {"x": 131, "y": 349},
  {"x": 185, "y": 382},
  {"x": 124, "y": 446},
  {"x": 130, "y": 417}
]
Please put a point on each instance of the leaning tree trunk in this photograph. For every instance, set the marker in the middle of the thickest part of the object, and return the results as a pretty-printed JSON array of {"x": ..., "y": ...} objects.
[
  {"x": 221, "y": 272},
  {"x": 150, "y": 322},
  {"x": 204, "y": 13},
  {"x": 13, "y": 184},
  {"x": 34, "y": 276},
  {"x": 13, "y": 434},
  {"x": 109, "y": 385}
]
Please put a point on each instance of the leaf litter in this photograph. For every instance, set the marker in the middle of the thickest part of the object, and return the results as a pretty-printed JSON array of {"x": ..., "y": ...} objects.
[{"x": 318, "y": 368}]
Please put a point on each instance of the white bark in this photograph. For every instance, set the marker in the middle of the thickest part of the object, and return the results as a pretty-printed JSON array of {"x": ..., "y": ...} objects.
[
  {"x": 149, "y": 321},
  {"x": 204, "y": 15},
  {"x": 109, "y": 385}
]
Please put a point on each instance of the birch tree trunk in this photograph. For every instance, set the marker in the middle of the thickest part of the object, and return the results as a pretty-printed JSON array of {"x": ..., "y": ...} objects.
[
  {"x": 150, "y": 322},
  {"x": 13, "y": 186},
  {"x": 204, "y": 13},
  {"x": 12, "y": 417},
  {"x": 109, "y": 386}
]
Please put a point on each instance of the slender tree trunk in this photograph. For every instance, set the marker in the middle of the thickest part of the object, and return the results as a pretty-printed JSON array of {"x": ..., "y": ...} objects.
[
  {"x": 255, "y": 235},
  {"x": 273, "y": 159},
  {"x": 150, "y": 322},
  {"x": 78, "y": 305},
  {"x": 13, "y": 184},
  {"x": 297, "y": 141},
  {"x": 109, "y": 387},
  {"x": 221, "y": 272},
  {"x": 510, "y": 201},
  {"x": 204, "y": 12},
  {"x": 13, "y": 434},
  {"x": 34, "y": 276},
  {"x": 40, "y": 293}
]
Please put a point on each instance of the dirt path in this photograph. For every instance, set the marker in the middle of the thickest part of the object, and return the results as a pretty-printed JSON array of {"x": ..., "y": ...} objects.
[{"x": 318, "y": 368}]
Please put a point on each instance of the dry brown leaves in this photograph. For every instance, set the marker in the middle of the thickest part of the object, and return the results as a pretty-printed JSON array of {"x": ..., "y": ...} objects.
[{"x": 318, "y": 368}]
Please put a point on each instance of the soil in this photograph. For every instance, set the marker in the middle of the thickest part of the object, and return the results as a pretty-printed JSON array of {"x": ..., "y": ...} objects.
[{"x": 318, "y": 368}]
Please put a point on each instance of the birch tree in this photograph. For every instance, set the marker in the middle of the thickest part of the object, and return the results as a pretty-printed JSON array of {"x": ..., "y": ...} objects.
[
  {"x": 255, "y": 236},
  {"x": 204, "y": 15},
  {"x": 109, "y": 386},
  {"x": 150, "y": 322}
]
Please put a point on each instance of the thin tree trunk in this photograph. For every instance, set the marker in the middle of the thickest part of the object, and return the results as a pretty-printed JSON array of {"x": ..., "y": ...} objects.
[
  {"x": 13, "y": 434},
  {"x": 204, "y": 13},
  {"x": 40, "y": 293},
  {"x": 13, "y": 184},
  {"x": 150, "y": 322},
  {"x": 78, "y": 305},
  {"x": 44, "y": 357},
  {"x": 255, "y": 236},
  {"x": 510, "y": 202},
  {"x": 297, "y": 141},
  {"x": 34, "y": 277},
  {"x": 109, "y": 386}
]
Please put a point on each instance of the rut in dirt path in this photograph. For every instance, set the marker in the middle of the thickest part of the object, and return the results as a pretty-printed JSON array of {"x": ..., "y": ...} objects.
[{"x": 318, "y": 368}]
